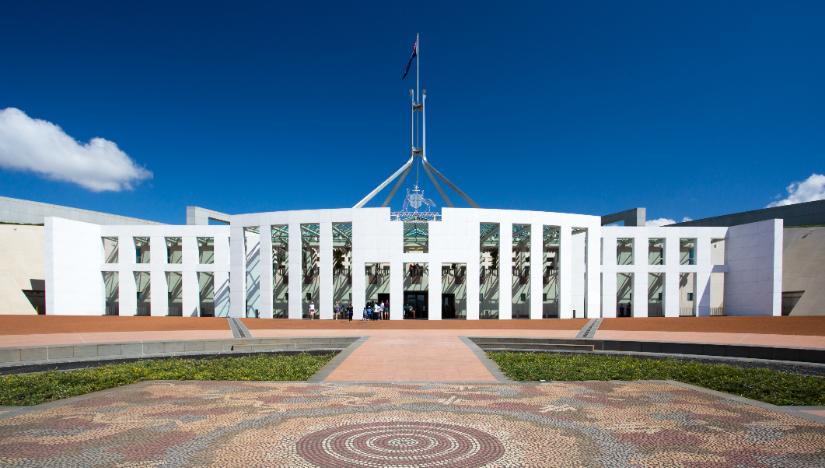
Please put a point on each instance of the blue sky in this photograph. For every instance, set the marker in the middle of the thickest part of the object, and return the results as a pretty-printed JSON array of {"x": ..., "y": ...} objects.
[{"x": 686, "y": 108}]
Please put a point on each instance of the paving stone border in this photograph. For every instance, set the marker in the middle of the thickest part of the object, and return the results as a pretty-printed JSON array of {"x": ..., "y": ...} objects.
[{"x": 50, "y": 357}]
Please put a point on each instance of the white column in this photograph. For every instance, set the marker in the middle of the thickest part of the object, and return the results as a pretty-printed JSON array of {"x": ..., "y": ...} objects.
[
  {"x": 128, "y": 289},
  {"x": 536, "y": 270},
  {"x": 295, "y": 273},
  {"x": 237, "y": 267},
  {"x": 473, "y": 288},
  {"x": 396, "y": 288},
  {"x": 640, "y": 279},
  {"x": 593, "y": 272},
  {"x": 325, "y": 282},
  {"x": 565, "y": 272},
  {"x": 434, "y": 291},
  {"x": 265, "y": 302},
  {"x": 609, "y": 292},
  {"x": 672, "y": 276},
  {"x": 159, "y": 297},
  {"x": 505, "y": 272},
  {"x": 703, "y": 268}
]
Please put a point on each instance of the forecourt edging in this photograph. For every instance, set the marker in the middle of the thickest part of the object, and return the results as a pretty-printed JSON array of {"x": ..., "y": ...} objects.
[
  {"x": 772, "y": 353},
  {"x": 16, "y": 357}
]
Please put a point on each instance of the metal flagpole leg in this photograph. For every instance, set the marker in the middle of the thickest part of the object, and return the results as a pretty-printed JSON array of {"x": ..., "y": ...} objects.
[
  {"x": 437, "y": 185},
  {"x": 369, "y": 197},
  {"x": 397, "y": 185},
  {"x": 452, "y": 185}
]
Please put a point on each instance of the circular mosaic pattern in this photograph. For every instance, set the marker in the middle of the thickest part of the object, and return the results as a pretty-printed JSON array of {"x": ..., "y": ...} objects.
[{"x": 399, "y": 444}]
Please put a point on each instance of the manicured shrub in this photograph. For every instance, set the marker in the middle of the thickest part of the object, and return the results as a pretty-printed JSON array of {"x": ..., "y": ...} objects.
[
  {"x": 38, "y": 387},
  {"x": 771, "y": 386}
]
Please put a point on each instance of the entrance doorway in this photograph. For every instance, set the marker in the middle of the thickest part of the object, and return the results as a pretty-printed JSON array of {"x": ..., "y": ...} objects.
[
  {"x": 448, "y": 306},
  {"x": 415, "y": 305}
]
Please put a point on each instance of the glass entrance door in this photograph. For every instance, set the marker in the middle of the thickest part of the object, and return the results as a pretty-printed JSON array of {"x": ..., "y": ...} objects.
[{"x": 415, "y": 305}]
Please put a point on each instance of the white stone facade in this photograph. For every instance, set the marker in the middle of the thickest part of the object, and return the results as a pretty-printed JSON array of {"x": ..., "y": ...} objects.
[{"x": 587, "y": 263}]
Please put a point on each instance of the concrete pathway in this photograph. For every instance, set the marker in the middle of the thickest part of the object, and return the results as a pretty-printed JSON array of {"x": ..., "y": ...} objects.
[{"x": 412, "y": 358}]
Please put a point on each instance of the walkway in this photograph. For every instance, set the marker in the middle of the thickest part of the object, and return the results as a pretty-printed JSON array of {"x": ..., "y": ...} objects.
[{"x": 242, "y": 424}]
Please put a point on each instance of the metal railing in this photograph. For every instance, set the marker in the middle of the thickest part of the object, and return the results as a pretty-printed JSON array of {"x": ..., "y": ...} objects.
[{"x": 717, "y": 311}]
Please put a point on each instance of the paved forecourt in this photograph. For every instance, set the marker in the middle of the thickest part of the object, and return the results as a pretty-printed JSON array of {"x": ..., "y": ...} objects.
[{"x": 242, "y": 424}]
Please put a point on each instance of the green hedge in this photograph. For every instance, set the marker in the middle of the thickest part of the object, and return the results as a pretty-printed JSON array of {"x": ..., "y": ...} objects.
[
  {"x": 39, "y": 387},
  {"x": 778, "y": 388}
]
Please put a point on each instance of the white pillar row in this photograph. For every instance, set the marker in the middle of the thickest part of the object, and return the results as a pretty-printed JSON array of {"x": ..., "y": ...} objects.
[
  {"x": 565, "y": 272},
  {"x": 505, "y": 272},
  {"x": 265, "y": 304},
  {"x": 536, "y": 270},
  {"x": 237, "y": 268},
  {"x": 295, "y": 273},
  {"x": 325, "y": 283},
  {"x": 472, "y": 278},
  {"x": 672, "y": 276}
]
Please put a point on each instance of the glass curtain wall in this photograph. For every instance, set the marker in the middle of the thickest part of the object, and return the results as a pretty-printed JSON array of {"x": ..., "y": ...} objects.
[
  {"x": 174, "y": 250},
  {"x": 656, "y": 251},
  {"x": 110, "y": 249},
  {"x": 310, "y": 268},
  {"x": 142, "y": 252},
  {"x": 488, "y": 271},
  {"x": 341, "y": 265},
  {"x": 416, "y": 287},
  {"x": 378, "y": 286},
  {"x": 521, "y": 271},
  {"x": 111, "y": 290},
  {"x": 624, "y": 251},
  {"x": 687, "y": 251},
  {"x": 174, "y": 293},
  {"x": 144, "y": 293},
  {"x": 206, "y": 248},
  {"x": 454, "y": 291},
  {"x": 416, "y": 236},
  {"x": 252, "y": 249},
  {"x": 624, "y": 294},
  {"x": 206, "y": 293},
  {"x": 280, "y": 271},
  {"x": 655, "y": 295},
  {"x": 550, "y": 290}
]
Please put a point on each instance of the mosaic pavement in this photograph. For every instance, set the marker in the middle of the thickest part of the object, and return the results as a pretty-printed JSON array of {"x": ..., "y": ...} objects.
[{"x": 247, "y": 424}]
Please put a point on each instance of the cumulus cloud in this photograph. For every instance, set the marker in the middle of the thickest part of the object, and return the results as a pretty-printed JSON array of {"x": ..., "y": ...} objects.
[
  {"x": 665, "y": 221},
  {"x": 810, "y": 189},
  {"x": 659, "y": 222},
  {"x": 39, "y": 146}
]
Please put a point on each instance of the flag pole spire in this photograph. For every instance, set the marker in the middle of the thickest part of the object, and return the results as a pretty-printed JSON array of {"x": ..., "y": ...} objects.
[{"x": 417, "y": 59}]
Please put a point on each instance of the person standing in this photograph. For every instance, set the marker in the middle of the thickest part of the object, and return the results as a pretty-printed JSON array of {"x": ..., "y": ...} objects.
[
  {"x": 337, "y": 310},
  {"x": 312, "y": 311},
  {"x": 349, "y": 312}
]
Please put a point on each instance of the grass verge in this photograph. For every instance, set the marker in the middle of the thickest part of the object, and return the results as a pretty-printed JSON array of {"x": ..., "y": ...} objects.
[
  {"x": 775, "y": 387},
  {"x": 39, "y": 387}
]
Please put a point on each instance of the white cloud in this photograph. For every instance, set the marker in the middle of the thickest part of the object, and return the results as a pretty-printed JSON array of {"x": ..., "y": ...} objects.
[
  {"x": 659, "y": 222},
  {"x": 665, "y": 221},
  {"x": 39, "y": 146},
  {"x": 810, "y": 189}
]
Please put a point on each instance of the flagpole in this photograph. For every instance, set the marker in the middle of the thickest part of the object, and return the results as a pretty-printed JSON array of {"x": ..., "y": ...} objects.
[{"x": 417, "y": 58}]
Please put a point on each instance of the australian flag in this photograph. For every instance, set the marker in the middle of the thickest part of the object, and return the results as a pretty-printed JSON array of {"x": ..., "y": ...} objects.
[{"x": 409, "y": 62}]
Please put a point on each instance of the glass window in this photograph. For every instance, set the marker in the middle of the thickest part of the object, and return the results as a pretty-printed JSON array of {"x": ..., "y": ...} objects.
[
  {"x": 687, "y": 251},
  {"x": 174, "y": 293},
  {"x": 144, "y": 292},
  {"x": 280, "y": 271},
  {"x": 111, "y": 287},
  {"x": 416, "y": 236},
  {"x": 206, "y": 295},
  {"x": 656, "y": 251},
  {"x": 488, "y": 271},
  {"x": 142, "y": 252},
  {"x": 174, "y": 250},
  {"x": 624, "y": 251},
  {"x": 624, "y": 294},
  {"x": 655, "y": 294},
  {"x": 206, "y": 250},
  {"x": 110, "y": 249},
  {"x": 521, "y": 271},
  {"x": 550, "y": 288}
]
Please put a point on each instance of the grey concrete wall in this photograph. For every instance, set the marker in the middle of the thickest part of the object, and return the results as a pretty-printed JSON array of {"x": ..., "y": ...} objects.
[
  {"x": 13, "y": 210},
  {"x": 631, "y": 217},
  {"x": 198, "y": 215},
  {"x": 753, "y": 281},
  {"x": 804, "y": 268},
  {"x": 800, "y": 214}
]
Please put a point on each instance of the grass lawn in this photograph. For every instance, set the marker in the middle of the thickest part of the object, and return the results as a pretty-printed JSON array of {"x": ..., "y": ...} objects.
[
  {"x": 39, "y": 387},
  {"x": 778, "y": 388}
]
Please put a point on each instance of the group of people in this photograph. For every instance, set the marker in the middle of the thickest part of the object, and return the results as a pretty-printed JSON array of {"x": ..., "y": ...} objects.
[{"x": 380, "y": 311}]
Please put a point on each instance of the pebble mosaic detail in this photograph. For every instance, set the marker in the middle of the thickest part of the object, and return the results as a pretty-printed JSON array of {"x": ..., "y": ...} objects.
[{"x": 250, "y": 424}]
